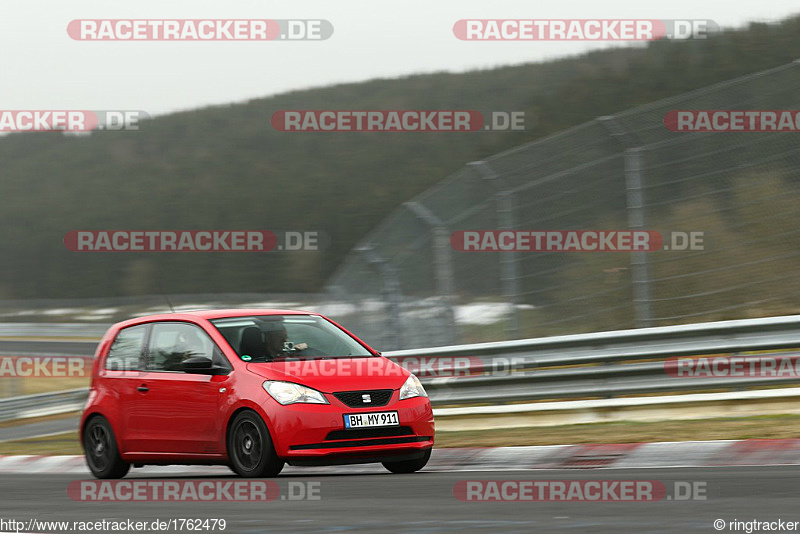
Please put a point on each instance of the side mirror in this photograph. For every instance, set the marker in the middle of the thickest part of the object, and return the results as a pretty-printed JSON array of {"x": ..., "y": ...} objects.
[{"x": 198, "y": 364}]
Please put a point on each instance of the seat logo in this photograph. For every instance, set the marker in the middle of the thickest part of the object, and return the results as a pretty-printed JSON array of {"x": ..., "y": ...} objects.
[{"x": 366, "y": 399}]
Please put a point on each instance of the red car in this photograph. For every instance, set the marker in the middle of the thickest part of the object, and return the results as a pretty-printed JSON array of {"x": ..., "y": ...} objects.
[{"x": 252, "y": 389}]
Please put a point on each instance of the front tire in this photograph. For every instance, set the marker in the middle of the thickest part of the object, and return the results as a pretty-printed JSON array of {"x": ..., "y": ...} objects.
[
  {"x": 408, "y": 466},
  {"x": 101, "y": 451},
  {"x": 250, "y": 448}
]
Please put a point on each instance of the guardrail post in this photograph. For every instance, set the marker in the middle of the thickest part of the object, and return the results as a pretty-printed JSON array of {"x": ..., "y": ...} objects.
[
  {"x": 506, "y": 220},
  {"x": 443, "y": 265}
]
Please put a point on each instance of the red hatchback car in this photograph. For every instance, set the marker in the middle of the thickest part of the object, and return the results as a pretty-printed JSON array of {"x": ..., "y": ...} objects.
[{"x": 252, "y": 389}]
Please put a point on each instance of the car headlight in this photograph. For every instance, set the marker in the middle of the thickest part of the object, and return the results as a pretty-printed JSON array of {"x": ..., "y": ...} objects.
[
  {"x": 412, "y": 388},
  {"x": 289, "y": 393}
]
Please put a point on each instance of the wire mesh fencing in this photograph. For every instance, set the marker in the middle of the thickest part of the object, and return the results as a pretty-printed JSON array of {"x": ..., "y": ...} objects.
[{"x": 724, "y": 204}]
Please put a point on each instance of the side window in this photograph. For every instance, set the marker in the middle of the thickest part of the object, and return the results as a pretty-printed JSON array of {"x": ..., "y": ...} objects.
[
  {"x": 127, "y": 348},
  {"x": 172, "y": 343}
]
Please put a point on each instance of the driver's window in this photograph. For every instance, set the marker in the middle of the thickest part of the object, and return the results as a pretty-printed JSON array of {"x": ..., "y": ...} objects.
[{"x": 172, "y": 343}]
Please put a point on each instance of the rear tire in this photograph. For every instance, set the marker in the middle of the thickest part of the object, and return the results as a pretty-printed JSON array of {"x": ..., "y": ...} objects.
[
  {"x": 250, "y": 448},
  {"x": 101, "y": 451},
  {"x": 408, "y": 466}
]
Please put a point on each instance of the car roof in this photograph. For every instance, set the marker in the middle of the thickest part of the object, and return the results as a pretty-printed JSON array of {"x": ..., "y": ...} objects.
[
  {"x": 244, "y": 312},
  {"x": 209, "y": 315}
]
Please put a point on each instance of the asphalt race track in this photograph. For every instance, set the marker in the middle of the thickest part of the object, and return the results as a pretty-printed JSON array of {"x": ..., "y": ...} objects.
[{"x": 424, "y": 502}]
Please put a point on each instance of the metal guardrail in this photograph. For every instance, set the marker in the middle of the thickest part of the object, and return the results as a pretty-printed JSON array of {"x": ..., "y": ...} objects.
[
  {"x": 53, "y": 330},
  {"x": 42, "y": 404},
  {"x": 608, "y": 364},
  {"x": 603, "y": 364}
]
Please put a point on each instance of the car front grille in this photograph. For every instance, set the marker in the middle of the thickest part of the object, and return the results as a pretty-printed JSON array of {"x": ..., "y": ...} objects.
[{"x": 355, "y": 399}]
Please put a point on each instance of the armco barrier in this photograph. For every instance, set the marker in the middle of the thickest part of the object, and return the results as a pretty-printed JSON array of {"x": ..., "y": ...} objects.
[
  {"x": 607, "y": 364},
  {"x": 43, "y": 404},
  {"x": 596, "y": 365}
]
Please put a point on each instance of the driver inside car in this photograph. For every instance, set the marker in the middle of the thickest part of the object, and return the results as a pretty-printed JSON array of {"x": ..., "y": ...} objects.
[{"x": 276, "y": 339}]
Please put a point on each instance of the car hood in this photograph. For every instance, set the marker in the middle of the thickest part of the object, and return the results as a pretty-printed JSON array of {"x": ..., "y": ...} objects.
[{"x": 336, "y": 374}]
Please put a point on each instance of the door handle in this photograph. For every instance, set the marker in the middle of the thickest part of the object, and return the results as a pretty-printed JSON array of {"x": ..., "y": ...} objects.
[{"x": 143, "y": 389}]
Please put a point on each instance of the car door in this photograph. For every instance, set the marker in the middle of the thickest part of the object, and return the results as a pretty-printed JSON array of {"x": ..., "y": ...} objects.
[
  {"x": 120, "y": 377},
  {"x": 176, "y": 411}
]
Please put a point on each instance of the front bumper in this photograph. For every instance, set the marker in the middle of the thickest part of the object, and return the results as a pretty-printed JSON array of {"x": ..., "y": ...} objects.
[{"x": 314, "y": 434}]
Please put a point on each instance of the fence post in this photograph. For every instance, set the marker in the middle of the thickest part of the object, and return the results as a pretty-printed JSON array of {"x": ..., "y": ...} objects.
[
  {"x": 640, "y": 269},
  {"x": 11, "y": 386},
  {"x": 443, "y": 265},
  {"x": 390, "y": 292},
  {"x": 506, "y": 220}
]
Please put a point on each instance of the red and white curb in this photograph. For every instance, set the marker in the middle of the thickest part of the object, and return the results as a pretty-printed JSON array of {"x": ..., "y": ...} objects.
[{"x": 589, "y": 456}]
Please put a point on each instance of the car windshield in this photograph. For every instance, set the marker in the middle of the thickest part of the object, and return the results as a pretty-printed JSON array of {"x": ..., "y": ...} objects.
[{"x": 265, "y": 338}]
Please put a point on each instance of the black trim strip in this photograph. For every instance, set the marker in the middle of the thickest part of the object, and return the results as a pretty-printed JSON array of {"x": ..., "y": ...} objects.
[
  {"x": 368, "y": 433},
  {"x": 360, "y": 443}
]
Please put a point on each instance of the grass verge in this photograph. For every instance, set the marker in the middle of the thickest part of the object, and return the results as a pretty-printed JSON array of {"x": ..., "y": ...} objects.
[
  {"x": 57, "y": 444},
  {"x": 767, "y": 426}
]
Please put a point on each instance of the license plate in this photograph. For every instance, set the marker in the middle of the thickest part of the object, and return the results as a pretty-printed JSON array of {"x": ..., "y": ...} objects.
[{"x": 364, "y": 420}]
